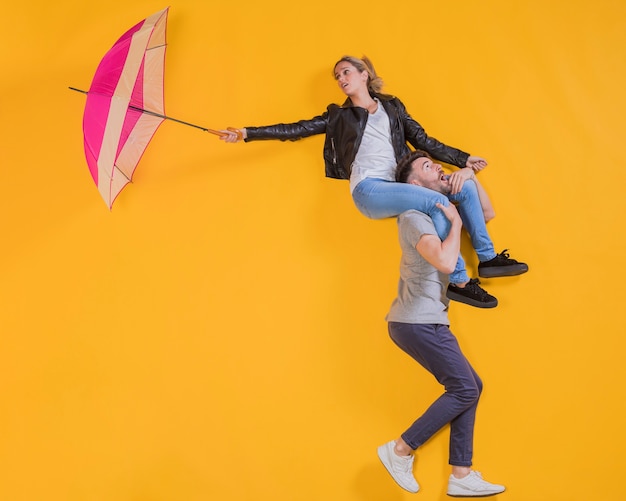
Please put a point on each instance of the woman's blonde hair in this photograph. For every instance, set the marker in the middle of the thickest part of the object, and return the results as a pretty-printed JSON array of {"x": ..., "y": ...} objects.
[{"x": 374, "y": 82}]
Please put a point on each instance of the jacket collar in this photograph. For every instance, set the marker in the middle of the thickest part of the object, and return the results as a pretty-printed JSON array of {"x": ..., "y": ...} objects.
[{"x": 383, "y": 97}]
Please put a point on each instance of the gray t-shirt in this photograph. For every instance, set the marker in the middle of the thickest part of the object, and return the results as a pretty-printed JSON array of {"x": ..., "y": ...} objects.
[{"x": 422, "y": 288}]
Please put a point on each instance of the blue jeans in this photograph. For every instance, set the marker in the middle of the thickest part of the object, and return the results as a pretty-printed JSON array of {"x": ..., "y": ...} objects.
[
  {"x": 379, "y": 199},
  {"x": 437, "y": 350}
]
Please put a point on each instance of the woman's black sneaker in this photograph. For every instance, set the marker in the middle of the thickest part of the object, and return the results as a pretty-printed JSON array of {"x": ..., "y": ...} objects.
[
  {"x": 501, "y": 266},
  {"x": 472, "y": 294}
]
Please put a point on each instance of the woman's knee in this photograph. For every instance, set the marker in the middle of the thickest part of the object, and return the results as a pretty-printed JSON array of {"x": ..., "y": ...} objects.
[
  {"x": 439, "y": 198},
  {"x": 469, "y": 188}
]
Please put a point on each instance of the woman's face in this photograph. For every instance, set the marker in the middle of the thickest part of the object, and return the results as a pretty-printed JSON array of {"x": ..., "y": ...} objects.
[{"x": 350, "y": 80}]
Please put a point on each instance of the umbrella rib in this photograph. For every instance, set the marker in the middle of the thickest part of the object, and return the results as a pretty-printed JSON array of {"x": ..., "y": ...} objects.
[
  {"x": 154, "y": 114},
  {"x": 122, "y": 172}
]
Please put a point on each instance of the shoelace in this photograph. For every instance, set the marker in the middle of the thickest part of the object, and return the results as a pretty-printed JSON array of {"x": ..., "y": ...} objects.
[
  {"x": 406, "y": 464},
  {"x": 504, "y": 255},
  {"x": 475, "y": 288}
]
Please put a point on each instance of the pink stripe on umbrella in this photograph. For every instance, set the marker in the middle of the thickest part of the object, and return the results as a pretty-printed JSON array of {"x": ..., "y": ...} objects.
[{"x": 102, "y": 88}]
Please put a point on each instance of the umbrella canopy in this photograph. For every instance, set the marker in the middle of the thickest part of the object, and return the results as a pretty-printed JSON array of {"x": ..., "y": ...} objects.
[{"x": 128, "y": 81}]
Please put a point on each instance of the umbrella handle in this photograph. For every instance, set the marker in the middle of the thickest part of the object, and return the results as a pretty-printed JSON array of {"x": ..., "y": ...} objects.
[
  {"x": 223, "y": 134},
  {"x": 216, "y": 132}
]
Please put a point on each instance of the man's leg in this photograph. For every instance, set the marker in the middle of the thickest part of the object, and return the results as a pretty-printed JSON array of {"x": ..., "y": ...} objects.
[
  {"x": 462, "y": 431},
  {"x": 437, "y": 350}
]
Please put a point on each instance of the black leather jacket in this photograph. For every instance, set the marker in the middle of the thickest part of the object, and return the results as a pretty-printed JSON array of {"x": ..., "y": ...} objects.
[{"x": 344, "y": 127}]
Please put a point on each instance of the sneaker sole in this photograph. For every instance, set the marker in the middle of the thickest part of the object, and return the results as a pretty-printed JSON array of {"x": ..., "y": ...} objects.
[
  {"x": 503, "y": 271},
  {"x": 474, "y": 495},
  {"x": 471, "y": 302}
]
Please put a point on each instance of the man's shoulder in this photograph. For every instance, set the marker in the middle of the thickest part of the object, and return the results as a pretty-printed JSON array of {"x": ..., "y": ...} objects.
[
  {"x": 412, "y": 224},
  {"x": 413, "y": 215}
]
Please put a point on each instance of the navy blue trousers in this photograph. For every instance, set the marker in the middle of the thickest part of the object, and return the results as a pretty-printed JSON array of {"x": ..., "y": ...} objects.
[{"x": 435, "y": 348}]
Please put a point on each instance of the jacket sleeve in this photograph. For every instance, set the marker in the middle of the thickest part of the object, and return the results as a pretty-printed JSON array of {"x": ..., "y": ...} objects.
[
  {"x": 291, "y": 131},
  {"x": 417, "y": 137}
]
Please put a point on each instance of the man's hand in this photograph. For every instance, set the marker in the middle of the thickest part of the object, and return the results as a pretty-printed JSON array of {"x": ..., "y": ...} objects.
[
  {"x": 451, "y": 213},
  {"x": 457, "y": 178},
  {"x": 476, "y": 163}
]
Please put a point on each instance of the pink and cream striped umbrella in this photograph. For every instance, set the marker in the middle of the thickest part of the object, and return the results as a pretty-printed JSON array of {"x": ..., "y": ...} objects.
[{"x": 125, "y": 105}]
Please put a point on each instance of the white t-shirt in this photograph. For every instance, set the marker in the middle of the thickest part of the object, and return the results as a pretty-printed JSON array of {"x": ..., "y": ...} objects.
[{"x": 375, "y": 157}]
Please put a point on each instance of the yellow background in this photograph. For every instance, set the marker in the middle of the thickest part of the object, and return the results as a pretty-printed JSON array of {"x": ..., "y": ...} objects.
[{"x": 220, "y": 333}]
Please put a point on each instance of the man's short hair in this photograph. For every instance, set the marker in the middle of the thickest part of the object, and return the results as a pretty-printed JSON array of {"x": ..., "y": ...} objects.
[{"x": 405, "y": 165}]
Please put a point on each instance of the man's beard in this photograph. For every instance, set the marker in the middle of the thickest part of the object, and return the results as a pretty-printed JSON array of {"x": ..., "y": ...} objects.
[{"x": 439, "y": 187}]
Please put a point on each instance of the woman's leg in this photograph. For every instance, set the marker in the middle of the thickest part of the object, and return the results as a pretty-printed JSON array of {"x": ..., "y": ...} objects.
[
  {"x": 380, "y": 199},
  {"x": 474, "y": 220},
  {"x": 437, "y": 350}
]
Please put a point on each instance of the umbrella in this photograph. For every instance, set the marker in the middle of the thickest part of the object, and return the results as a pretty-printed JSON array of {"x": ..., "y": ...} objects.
[{"x": 125, "y": 105}]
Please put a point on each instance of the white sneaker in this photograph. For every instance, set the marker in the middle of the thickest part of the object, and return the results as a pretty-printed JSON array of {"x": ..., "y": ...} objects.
[
  {"x": 399, "y": 467},
  {"x": 472, "y": 486}
]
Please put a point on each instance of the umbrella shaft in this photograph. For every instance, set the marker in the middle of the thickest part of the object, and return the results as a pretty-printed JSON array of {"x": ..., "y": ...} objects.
[{"x": 154, "y": 114}]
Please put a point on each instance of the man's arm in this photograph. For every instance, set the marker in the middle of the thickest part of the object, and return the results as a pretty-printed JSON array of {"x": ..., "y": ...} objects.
[{"x": 443, "y": 255}]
